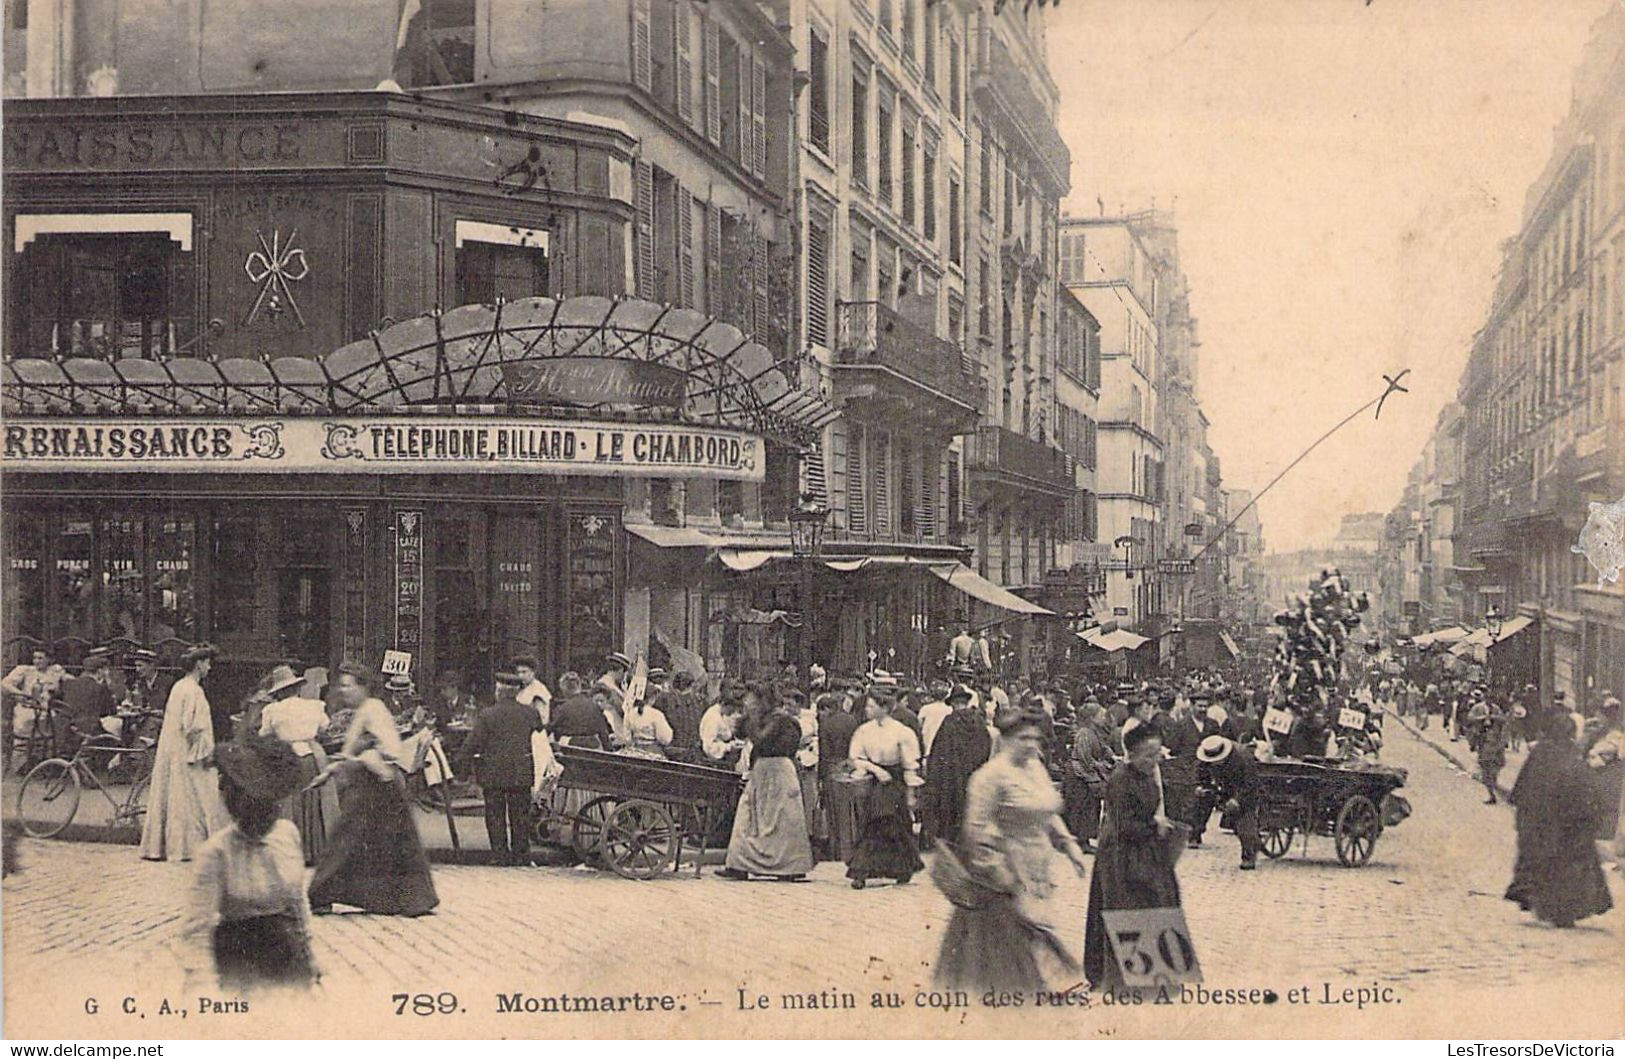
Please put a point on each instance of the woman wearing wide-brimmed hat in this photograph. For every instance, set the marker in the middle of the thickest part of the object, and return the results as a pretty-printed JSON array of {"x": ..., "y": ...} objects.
[
  {"x": 184, "y": 808},
  {"x": 249, "y": 920},
  {"x": 296, "y": 720}
]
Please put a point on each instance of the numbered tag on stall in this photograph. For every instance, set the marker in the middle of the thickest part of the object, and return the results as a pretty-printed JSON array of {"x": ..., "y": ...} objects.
[
  {"x": 396, "y": 663},
  {"x": 1347, "y": 718},
  {"x": 1152, "y": 946},
  {"x": 1278, "y": 722}
]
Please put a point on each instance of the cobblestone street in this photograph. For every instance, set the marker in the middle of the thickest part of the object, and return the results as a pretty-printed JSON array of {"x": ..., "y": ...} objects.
[{"x": 1425, "y": 916}]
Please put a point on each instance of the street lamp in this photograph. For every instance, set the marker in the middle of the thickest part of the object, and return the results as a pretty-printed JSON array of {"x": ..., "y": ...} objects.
[
  {"x": 1493, "y": 618},
  {"x": 806, "y": 542}
]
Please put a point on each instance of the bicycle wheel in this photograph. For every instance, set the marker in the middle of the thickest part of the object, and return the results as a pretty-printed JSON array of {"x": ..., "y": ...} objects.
[
  {"x": 134, "y": 809},
  {"x": 48, "y": 798}
]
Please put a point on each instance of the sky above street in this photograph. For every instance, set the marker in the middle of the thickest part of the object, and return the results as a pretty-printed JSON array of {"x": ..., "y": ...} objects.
[{"x": 1342, "y": 175}]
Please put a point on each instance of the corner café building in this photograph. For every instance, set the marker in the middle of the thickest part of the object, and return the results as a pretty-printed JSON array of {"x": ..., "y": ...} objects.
[{"x": 228, "y": 417}]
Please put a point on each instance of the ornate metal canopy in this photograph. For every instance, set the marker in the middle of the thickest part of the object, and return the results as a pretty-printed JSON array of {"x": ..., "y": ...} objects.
[{"x": 464, "y": 357}]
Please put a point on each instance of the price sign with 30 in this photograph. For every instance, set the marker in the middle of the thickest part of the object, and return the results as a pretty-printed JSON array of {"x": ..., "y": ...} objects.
[{"x": 1153, "y": 946}]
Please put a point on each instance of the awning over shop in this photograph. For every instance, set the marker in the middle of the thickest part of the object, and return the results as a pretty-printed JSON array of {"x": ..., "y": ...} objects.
[
  {"x": 968, "y": 581},
  {"x": 1116, "y": 640},
  {"x": 621, "y": 358},
  {"x": 1229, "y": 644},
  {"x": 670, "y": 536},
  {"x": 1512, "y": 628},
  {"x": 1450, "y": 635}
]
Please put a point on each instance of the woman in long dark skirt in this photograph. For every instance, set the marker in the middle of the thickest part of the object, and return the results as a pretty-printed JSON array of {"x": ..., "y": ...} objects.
[
  {"x": 1134, "y": 867},
  {"x": 889, "y": 752},
  {"x": 962, "y": 745},
  {"x": 1557, "y": 876},
  {"x": 374, "y": 859},
  {"x": 1012, "y": 831}
]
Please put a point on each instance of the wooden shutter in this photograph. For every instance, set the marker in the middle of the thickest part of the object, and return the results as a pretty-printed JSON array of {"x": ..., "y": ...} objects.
[
  {"x": 814, "y": 480},
  {"x": 817, "y": 282},
  {"x": 758, "y": 251},
  {"x": 684, "y": 61},
  {"x": 712, "y": 58},
  {"x": 646, "y": 285},
  {"x": 758, "y": 118},
  {"x": 746, "y": 138},
  {"x": 906, "y": 486},
  {"x": 880, "y": 466},
  {"x": 641, "y": 70},
  {"x": 713, "y": 258},
  {"x": 685, "y": 248},
  {"x": 857, "y": 498},
  {"x": 925, "y": 507}
]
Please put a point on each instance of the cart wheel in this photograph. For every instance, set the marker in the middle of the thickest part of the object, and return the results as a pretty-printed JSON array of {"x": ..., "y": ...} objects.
[
  {"x": 1275, "y": 841},
  {"x": 587, "y": 827},
  {"x": 1358, "y": 825},
  {"x": 640, "y": 839}
]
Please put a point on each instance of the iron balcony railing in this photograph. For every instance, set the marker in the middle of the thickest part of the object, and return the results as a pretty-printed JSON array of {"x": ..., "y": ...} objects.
[
  {"x": 993, "y": 448},
  {"x": 873, "y": 335}
]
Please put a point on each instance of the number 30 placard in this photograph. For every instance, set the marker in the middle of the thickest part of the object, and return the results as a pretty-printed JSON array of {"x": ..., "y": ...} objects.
[{"x": 1153, "y": 946}]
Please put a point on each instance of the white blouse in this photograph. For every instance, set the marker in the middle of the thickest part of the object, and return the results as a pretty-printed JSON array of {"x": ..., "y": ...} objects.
[
  {"x": 887, "y": 743},
  {"x": 240, "y": 878},
  {"x": 295, "y": 721}
]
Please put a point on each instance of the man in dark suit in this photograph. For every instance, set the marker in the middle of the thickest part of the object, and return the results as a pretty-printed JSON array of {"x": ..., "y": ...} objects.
[
  {"x": 85, "y": 701},
  {"x": 1183, "y": 734},
  {"x": 499, "y": 750},
  {"x": 150, "y": 688}
]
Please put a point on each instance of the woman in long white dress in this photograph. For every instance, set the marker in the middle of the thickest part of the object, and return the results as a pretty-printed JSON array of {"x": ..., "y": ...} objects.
[{"x": 183, "y": 806}]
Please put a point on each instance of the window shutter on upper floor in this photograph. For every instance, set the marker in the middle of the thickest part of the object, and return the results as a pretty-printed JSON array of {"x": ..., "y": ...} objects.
[
  {"x": 857, "y": 493},
  {"x": 641, "y": 68},
  {"x": 813, "y": 479},
  {"x": 684, "y": 62},
  {"x": 685, "y": 248},
  {"x": 817, "y": 281},
  {"x": 925, "y": 510},
  {"x": 712, "y": 60},
  {"x": 880, "y": 467},
  {"x": 747, "y": 138},
  {"x": 713, "y": 258},
  {"x": 759, "y": 247},
  {"x": 646, "y": 285},
  {"x": 758, "y": 119}
]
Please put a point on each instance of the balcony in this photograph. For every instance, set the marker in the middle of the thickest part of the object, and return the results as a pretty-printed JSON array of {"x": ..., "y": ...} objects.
[
  {"x": 884, "y": 355},
  {"x": 1487, "y": 540},
  {"x": 1005, "y": 456}
]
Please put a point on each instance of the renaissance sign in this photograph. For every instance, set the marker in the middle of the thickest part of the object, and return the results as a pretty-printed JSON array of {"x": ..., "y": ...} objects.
[{"x": 379, "y": 445}]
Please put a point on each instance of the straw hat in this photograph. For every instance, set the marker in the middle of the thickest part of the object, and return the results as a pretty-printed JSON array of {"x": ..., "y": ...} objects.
[{"x": 1214, "y": 749}]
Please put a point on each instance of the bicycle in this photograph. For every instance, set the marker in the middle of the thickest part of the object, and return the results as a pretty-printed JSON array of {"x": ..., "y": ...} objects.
[
  {"x": 38, "y": 742},
  {"x": 49, "y": 796}
]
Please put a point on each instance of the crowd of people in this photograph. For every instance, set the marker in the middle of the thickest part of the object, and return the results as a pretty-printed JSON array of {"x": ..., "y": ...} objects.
[{"x": 999, "y": 779}]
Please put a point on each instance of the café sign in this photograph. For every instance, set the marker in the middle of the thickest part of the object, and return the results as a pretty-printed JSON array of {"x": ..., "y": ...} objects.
[
  {"x": 595, "y": 380},
  {"x": 379, "y": 445}
]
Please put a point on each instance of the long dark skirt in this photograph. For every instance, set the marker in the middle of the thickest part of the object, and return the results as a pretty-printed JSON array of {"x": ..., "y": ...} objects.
[
  {"x": 374, "y": 858},
  {"x": 312, "y": 811},
  {"x": 886, "y": 847},
  {"x": 261, "y": 951},
  {"x": 990, "y": 947},
  {"x": 1128, "y": 874},
  {"x": 1559, "y": 878}
]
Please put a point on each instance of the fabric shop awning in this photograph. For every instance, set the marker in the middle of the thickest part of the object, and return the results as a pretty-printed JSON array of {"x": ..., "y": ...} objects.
[
  {"x": 968, "y": 581},
  {"x": 1450, "y": 635},
  {"x": 1512, "y": 628},
  {"x": 1114, "y": 641}
]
